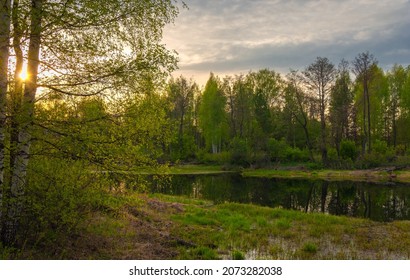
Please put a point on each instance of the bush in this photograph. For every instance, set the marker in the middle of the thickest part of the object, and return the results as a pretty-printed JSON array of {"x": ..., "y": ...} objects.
[
  {"x": 332, "y": 154},
  {"x": 60, "y": 194},
  {"x": 240, "y": 154},
  {"x": 296, "y": 154},
  {"x": 380, "y": 147},
  {"x": 277, "y": 149},
  {"x": 401, "y": 150},
  {"x": 219, "y": 158},
  {"x": 348, "y": 150}
]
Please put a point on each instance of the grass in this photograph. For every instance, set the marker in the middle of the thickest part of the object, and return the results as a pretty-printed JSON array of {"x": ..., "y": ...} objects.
[
  {"x": 137, "y": 226},
  {"x": 196, "y": 169},
  {"x": 265, "y": 233}
]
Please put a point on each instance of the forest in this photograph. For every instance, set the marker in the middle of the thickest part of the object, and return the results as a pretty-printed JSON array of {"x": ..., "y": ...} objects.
[
  {"x": 87, "y": 100},
  {"x": 354, "y": 115}
]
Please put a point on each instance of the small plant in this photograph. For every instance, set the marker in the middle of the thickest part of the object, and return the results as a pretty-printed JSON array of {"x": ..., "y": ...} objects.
[
  {"x": 283, "y": 224},
  {"x": 238, "y": 255},
  {"x": 203, "y": 253},
  {"x": 309, "y": 248}
]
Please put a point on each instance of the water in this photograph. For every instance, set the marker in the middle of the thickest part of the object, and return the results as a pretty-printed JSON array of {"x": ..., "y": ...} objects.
[{"x": 381, "y": 202}]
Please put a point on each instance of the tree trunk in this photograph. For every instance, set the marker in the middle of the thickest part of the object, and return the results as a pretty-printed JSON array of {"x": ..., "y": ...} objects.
[
  {"x": 17, "y": 92},
  {"x": 19, "y": 176},
  {"x": 181, "y": 132},
  {"x": 4, "y": 57},
  {"x": 323, "y": 126},
  {"x": 369, "y": 145},
  {"x": 364, "y": 140}
]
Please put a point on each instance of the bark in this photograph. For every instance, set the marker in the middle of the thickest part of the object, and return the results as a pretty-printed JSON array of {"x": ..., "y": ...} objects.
[
  {"x": 17, "y": 92},
  {"x": 323, "y": 125},
  {"x": 19, "y": 176},
  {"x": 4, "y": 57},
  {"x": 368, "y": 120},
  {"x": 364, "y": 140}
]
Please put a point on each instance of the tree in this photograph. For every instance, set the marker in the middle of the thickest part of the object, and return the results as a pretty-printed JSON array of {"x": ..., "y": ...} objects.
[
  {"x": 4, "y": 58},
  {"x": 181, "y": 95},
  {"x": 341, "y": 105},
  {"x": 296, "y": 106},
  {"x": 362, "y": 69},
  {"x": 212, "y": 115},
  {"x": 73, "y": 48},
  {"x": 266, "y": 86},
  {"x": 396, "y": 79},
  {"x": 319, "y": 77}
]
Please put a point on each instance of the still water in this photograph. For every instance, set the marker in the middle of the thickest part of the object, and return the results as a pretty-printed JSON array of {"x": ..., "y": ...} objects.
[{"x": 381, "y": 202}]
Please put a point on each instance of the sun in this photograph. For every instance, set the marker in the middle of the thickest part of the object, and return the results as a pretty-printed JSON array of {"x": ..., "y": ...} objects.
[{"x": 23, "y": 74}]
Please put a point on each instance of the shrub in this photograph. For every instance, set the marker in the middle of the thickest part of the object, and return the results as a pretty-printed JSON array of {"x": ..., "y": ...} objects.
[
  {"x": 401, "y": 150},
  {"x": 348, "y": 150},
  {"x": 239, "y": 152},
  {"x": 332, "y": 154},
  {"x": 277, "y": 149},
  {"x": 380, "y": 147},
  {"x": 296, "y": 154},
  {"x": 60, "y": 194}
]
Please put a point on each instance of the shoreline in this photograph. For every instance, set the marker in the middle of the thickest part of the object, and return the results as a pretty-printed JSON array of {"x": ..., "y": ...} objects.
[{"x": 368, "y": 175}]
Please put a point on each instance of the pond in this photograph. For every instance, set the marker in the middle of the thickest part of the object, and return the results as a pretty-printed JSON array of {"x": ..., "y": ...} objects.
[{"x": 380, "y": 202}]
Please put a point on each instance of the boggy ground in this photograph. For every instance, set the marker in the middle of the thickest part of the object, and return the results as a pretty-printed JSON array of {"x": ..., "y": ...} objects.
[{"x": 135, "y": 226}]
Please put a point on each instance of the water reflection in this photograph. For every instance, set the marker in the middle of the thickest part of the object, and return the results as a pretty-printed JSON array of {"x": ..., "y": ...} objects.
[{"x": 357, "y": 199}]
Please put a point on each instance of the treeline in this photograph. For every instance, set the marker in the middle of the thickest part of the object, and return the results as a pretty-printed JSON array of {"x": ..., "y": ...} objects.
[{"x": 353, "y": 115}]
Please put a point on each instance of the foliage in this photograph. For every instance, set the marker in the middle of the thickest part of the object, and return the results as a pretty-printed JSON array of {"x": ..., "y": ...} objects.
[
  {"x": 277, "y": 149},
  {"x": 296, "y": 154},
  {"x": 60, "y": 195},
  {"x": 240, "y": 152},
  {"x": 212, "y": 115},
  {"x": 348, "y": 150}
]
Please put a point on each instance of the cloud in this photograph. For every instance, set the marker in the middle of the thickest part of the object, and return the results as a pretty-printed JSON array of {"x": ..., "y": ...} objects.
[{"x": 233, "y": 36}]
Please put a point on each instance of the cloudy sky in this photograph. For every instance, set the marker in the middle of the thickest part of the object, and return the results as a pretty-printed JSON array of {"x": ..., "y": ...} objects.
[{"x": 231, "y": 37}]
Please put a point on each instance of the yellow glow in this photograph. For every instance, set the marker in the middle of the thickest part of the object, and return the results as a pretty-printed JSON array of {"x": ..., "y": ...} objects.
[{"x": 23, "y": 75}]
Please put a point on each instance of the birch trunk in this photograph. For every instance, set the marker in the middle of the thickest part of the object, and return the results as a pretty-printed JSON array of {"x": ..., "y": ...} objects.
[
  {"x": 4, "y": 57},
  {"x": 19, "y": 175},
  {"x": 17, "y": 92}
]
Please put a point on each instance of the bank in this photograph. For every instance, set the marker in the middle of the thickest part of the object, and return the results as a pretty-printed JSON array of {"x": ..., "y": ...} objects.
[
  {"x": 389, "y": 174},
  {"x": 142, "y": 226}
]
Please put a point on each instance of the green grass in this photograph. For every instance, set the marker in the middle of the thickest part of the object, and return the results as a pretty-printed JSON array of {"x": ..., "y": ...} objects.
[
  {"x": 267, "y": 233},
  {"x": 196, "y": 169},
  {"x": 175, "y": 227}
]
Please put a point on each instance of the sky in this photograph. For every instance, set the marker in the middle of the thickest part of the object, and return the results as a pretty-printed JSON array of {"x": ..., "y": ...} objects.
[{"x": 229, "y": 37}]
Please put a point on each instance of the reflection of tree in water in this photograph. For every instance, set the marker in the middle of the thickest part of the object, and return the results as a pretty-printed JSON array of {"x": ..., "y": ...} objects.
[{"x": 377, "y": 202}]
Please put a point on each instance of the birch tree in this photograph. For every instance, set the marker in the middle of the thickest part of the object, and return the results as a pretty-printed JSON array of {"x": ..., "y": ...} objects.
[
  {"x": 4, "y": 57},
  {"x": 70, "y": 48}
]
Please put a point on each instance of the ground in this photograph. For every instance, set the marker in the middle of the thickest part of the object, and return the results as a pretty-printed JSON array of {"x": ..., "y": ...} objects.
[{"x": 167, "y": 227}]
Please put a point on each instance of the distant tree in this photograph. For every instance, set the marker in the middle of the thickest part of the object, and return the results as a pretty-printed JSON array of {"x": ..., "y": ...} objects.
[
  {"x": 396, "y": 79},
  {"x": 266, "y": 86},
  {"x": 212, "y": 114},
  {"x": 341, "y": 103},
  {"x": 296, "y": 104},
  {"x": 243, "y": 107},
  {"x": 181, "y": 96},
  {"x": 380, "y": 105},
  {"x": 319, "y": 77},
  {"x": 362, "y": 69}
]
